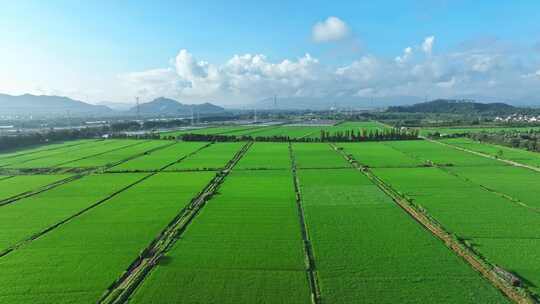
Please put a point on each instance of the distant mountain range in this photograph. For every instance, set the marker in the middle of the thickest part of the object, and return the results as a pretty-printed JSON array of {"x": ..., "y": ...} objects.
[
  {"x": 43, "y": 105},
  {"x": 48, "y": 106},
  {"x": 458, "y": 107},
  {"x": 166, "y": 106}
]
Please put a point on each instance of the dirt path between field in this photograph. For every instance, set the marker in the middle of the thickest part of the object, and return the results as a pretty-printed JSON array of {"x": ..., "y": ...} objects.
[
  {"x": 80, "y": 212},
  {"x": 518, "y": 295},
  {"x": 311, "y": 270},
  {"x": 123, "y": 288}
]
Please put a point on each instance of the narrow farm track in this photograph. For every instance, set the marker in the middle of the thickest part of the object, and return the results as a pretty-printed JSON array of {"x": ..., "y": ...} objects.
[
  {"x": 494, "y": 191},
  {"x": 73, "y": 216},
  {"x": 510, "y": 162},
  {"x": 518, "y": 295},
  {"x": 123, "y": 288},
  {"x": 81, "y": 212},
  {"x": 111, "y": 165},
  {"x": 39, "y": 190},
  {"x": 308, "y": 249}
]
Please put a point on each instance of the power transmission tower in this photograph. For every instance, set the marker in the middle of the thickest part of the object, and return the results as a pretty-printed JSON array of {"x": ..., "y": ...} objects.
[
  {"x": 192, "y": 116},
  {"x": 255, "y": 115}
]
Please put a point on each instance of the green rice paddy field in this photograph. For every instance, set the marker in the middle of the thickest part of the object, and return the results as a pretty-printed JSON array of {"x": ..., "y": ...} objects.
[
  {"x": 292, "y": 131},
  {"x": 287, "y": 223}
]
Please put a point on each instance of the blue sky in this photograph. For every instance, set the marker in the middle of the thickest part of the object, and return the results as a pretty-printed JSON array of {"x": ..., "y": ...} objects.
[{"x": 114, "y": 50}]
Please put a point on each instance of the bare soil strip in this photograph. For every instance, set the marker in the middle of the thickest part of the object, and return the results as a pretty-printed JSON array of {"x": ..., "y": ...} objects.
[
  {"x": 308, "y": 249},
  {"x": 518, "y": 295},
  {"x": 123, "y": 288}
]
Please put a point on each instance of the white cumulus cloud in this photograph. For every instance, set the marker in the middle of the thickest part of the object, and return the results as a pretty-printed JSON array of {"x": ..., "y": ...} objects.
[
  {"x": 250, "y": 77},
  {"x": 427, "y": 45},
  {"x": 332, "y": 29}
]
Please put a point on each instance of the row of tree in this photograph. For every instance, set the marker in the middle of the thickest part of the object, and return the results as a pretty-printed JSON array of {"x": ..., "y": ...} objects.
[
  {"x": 369, "y": 135},
  {"x": 527, "y": 140},
  {"x": 325, "y": 136}
]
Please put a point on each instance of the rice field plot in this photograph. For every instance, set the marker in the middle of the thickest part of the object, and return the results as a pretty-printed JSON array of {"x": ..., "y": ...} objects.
[
  {"x": 517, "y": 155},
  {"x": 22, "y": 219},
  {"x": 214, "y": 157},
  {"x": 266, "y": 156},
  {"x": 224, "y": 130},
  {"x": 481, "y": 217},
  {"x": 43, "y": 152},
  {"x": 76, "y": 153},
  {"x": 368, "y": 250},
  {"x": 426, "y": 151},
  {"x": 460, "y": 206},
  {"x": 78, "y": 261},
  {"x": 377, "y": 154},
  {"x": 317, "y": 155},
  {"x": 17, "y": 185},
  {"x": 519, "y": 183},
  {"x": 460, "y": 130},
  {"x": 115, "y": 156},
  {"x": 290, "y": 131},
  {"x": 245, "y": 246},
  {"x": 159, "y": 158},
  {"x": 31, "y": 151}
]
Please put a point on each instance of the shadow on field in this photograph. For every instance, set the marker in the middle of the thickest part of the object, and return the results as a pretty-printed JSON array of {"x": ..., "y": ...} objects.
[{"x": 165, "y": 260}]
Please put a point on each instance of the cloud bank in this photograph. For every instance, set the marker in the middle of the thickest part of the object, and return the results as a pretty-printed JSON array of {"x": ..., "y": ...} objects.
[{"x": 482, "y": 70}]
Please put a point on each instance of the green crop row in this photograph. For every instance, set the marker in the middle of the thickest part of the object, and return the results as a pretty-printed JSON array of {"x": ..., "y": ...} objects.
[
  {"x": 116, "y": 155},
  {"x": 477, "y": 215},
  {"x": 78, "y": 261},
  {"x": 267, "y": 156},
  {"x": 245, "y": 246},
  {"x": 517, "y": 155},
  {"x": 214, "y": 157},
  {"x": 317, "y": 155},
  {"x": 367, "y": 250},
  {"x": 26, "y": 217},
  {"x": 20, "y": 184},
  {"x": 76, "y": 153},
  {"x": 160, "y": 158},
  {"x": 27, "y": 155}
]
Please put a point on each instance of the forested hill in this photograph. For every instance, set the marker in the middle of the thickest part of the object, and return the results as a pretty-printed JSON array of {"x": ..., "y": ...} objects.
[{"x": 457, "y": 107}]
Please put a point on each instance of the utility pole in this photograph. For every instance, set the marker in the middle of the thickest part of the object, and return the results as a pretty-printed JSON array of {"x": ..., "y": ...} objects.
[{"x": 138, "y": 108}]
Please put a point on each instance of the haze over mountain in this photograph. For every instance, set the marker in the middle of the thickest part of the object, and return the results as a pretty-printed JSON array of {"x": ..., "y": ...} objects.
[
  {"x": 459, "y": 107},
  {"x": 44, "y": 105},
  {"x": 170, "y": 107}
]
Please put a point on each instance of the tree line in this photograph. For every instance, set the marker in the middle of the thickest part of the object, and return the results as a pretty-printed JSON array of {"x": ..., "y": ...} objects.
[{"x": 325, "y": 136}]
